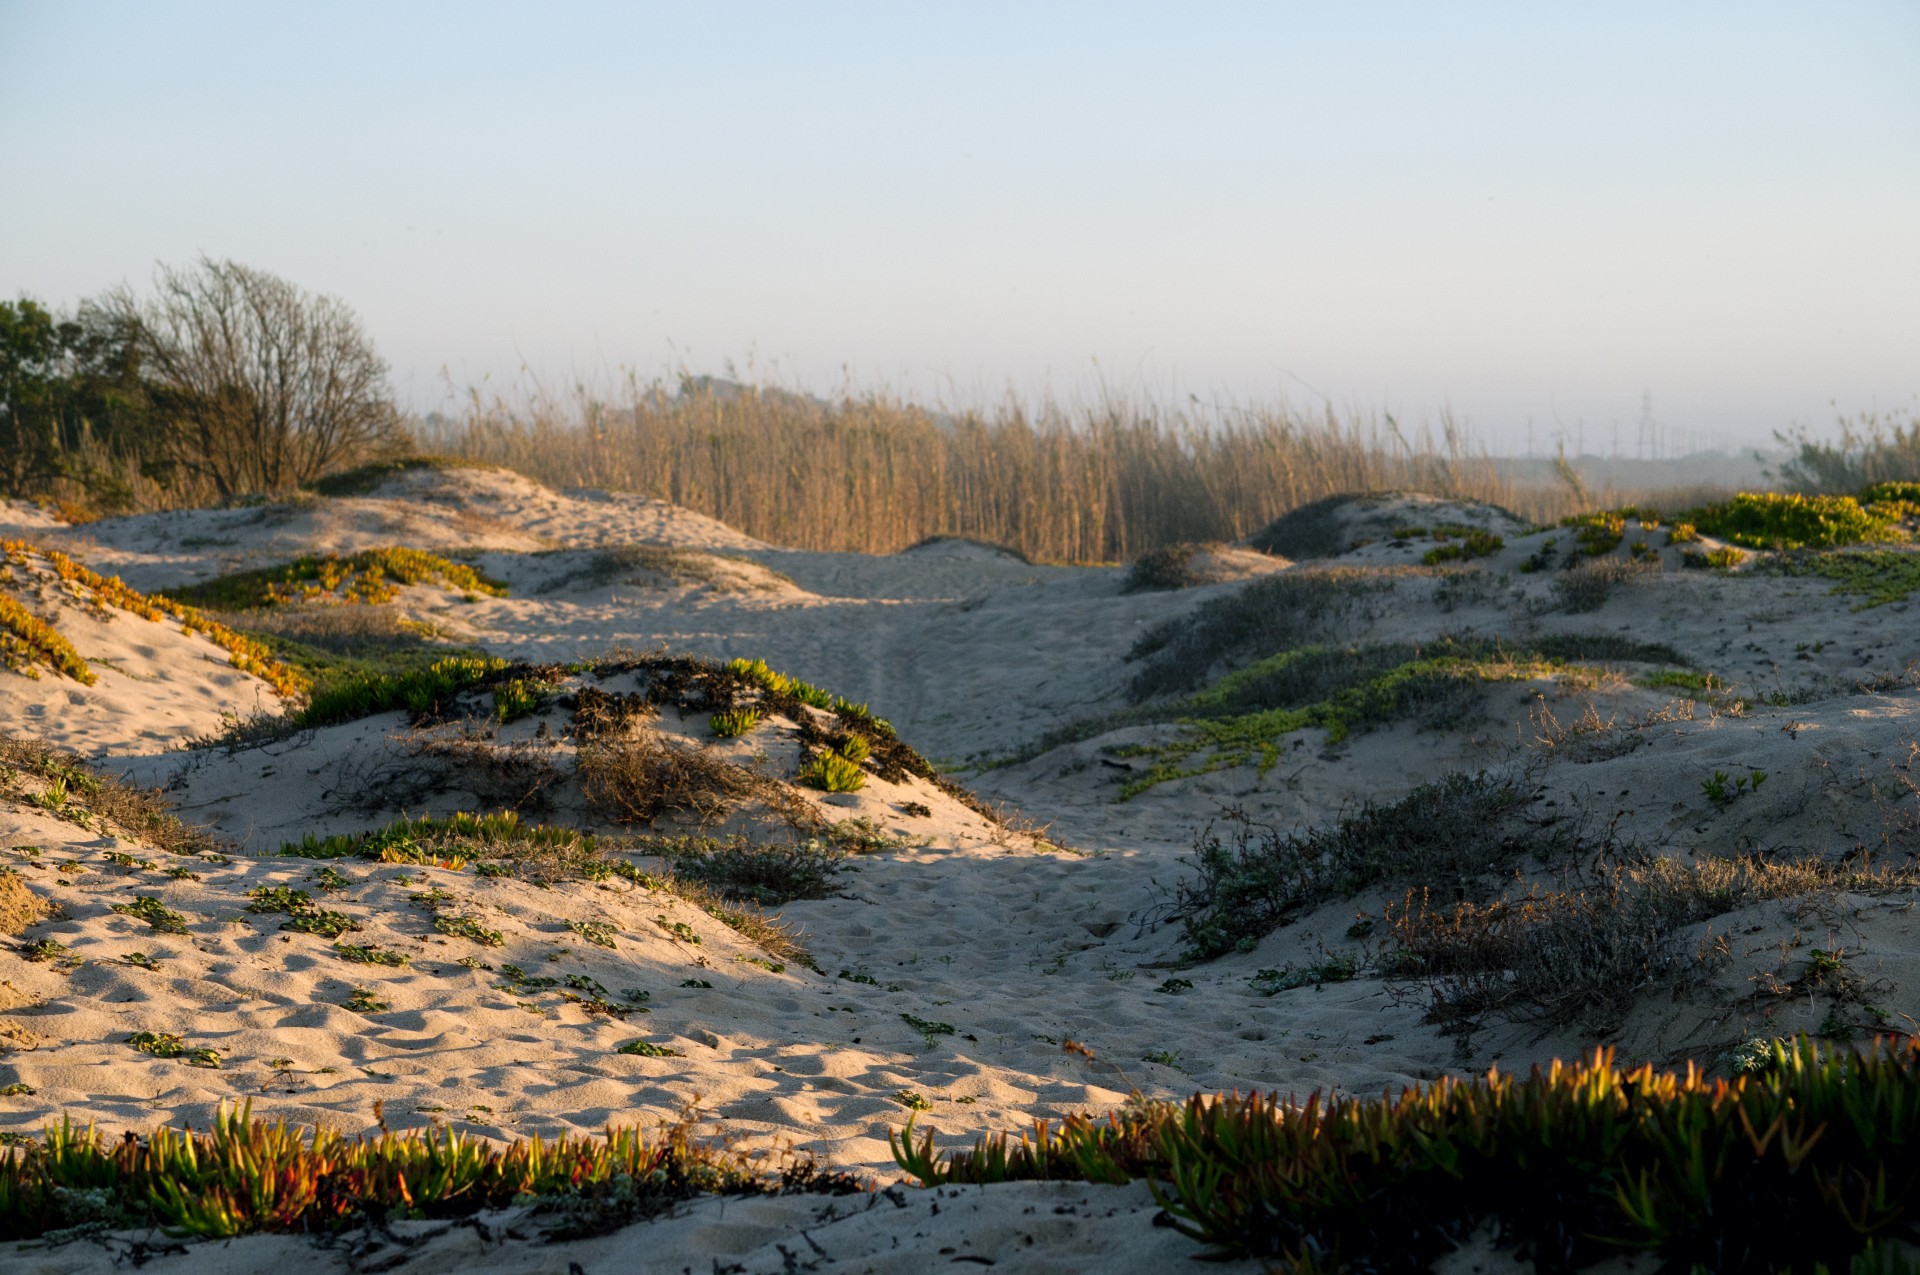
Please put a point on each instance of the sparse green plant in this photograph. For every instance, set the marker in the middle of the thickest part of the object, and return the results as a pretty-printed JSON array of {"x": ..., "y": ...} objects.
[
  {"x": 368, "y": 954},
  {"x": 159, "y": 1044},
  {"x": 598, "y": 933},
  {"x": 155, "y": 913},
  {"x": 912, "y": 1101},
  {"x": 679, "y": 930},
  {"x": 1334, "y": 969},
  {"x": 328, "y": 925},
  {"x": 363, "y": 1000},
  {"x": 17, "y": 1090},
  {"x": 929, "y": 1030},
  {"x": 467, "y": 927},
  {"x": 695, "y": 982},
  {"x": 279, "y": 898},
  {"x": 142, "y": 960},
  {"x": 43, "y": 950},
  {"x": 647, "y": 1049}
]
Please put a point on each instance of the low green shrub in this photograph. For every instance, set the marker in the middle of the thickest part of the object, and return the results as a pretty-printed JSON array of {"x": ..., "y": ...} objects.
[{"x": 1257, "y": 878}]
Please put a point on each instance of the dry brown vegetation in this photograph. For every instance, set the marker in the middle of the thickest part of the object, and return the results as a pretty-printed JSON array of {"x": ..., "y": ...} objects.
[
  {"x": 62, "y": 785},
  {"x": 869, "y": 472}
]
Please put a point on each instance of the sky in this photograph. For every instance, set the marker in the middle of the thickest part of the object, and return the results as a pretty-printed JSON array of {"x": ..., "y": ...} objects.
[{"x": 1540, "y": 218}]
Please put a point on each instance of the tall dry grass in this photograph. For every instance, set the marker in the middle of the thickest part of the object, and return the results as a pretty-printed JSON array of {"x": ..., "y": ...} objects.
[{"x": 871, "y": 472}]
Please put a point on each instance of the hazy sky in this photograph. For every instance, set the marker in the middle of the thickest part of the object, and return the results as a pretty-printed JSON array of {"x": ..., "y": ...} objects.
[{"x": 1519, "y": 210}]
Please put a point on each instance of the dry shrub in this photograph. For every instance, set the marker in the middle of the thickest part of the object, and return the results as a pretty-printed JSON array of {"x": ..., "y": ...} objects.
[
  {"x": 464, "y": 758},
  {"x": 1587, "y": 586},
  {"x": 19, "y": 906},
  {"x": 640, "y": 779},
  {"x": 1584, "y": 953},
  {"x": 739, "y": 869},
  {"x": 600, "y": 715},
  {"x": 141, "y": 813}
]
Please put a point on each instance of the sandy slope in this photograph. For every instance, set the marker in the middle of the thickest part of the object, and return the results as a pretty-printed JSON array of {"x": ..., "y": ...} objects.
[{"x": 1018, "y": 947}]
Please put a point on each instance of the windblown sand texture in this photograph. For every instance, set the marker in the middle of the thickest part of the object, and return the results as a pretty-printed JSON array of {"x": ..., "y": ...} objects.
[{"x": 977, "y": 967}]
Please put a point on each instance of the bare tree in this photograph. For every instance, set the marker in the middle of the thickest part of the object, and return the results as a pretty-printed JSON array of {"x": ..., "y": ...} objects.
[{"x": 258, "y": 385}]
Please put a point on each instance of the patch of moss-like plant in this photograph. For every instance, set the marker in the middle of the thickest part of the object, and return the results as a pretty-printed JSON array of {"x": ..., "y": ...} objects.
[
  {"x": 598, "y": 933},
  {"x": 647, "y": 1049},
  {"x": 1876, "y": 576},
  {"x": 1244, "y": 716},
  {"x": 370, "y": 576}
]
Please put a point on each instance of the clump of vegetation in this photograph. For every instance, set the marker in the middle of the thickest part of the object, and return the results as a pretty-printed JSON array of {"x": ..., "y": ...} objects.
[
  {"x": 1447, "y": 833},
  {"x": 598, "y": 933},
  {"x": 832, "y": 772},
  {"x": 159, "y": 1044},
  {"x": 1725, "y": 558},
  {"x": 1586, "y": 586},
  {"x": 371, "y": 955},
  {"x": 734, "y": 723},
  {"x": 242, "y": 652},
  {"x": 519, "y": 697},
  {"x": 535, "y": 850},
  {"x": 1572, "y": 1164},
  {"x": 642, "y": 778},
  {"x": 647, "y": 1049},
  {"x": 244, "y": 1176},
  {"x": 369, "y": 577}
]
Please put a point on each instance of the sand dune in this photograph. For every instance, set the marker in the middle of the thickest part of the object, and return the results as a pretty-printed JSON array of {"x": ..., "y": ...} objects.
[{"x": 963, "y": 964}]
